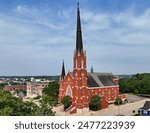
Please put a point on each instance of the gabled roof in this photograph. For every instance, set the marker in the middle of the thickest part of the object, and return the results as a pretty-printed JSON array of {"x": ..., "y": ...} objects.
[
  {"x": 146, "y": 105},
  {"x": 101, "y": 79},
  {"x": 70, "y": 74}
]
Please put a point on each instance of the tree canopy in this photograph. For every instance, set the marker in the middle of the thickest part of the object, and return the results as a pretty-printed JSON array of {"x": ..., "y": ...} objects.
[
  {"x": 52, "y": 89},
  {"x": 13, "y": 106},
  {"x": 51, "y": 94},
  {"x": 1, "y": 85},
  {"x": 137, "y": 84}
]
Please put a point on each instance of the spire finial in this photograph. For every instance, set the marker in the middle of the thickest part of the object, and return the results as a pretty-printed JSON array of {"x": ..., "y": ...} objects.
[{"x": 78, "y": 4}]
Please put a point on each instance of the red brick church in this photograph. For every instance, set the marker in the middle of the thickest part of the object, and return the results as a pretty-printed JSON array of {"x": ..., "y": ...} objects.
[{"x": 81, "y": 85}]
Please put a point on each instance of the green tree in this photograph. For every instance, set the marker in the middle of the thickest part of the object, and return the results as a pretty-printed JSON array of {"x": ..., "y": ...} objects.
[
  {"x": 52, "y": 89},
  {"x": 13, "y": 106},
  {"x": 49, "y": 100},
  {"x": 66, "y": 101},
  {"x": 118, "y": 101},
  {"x": 136, "y": 91},
  {"x": 45, "y": 110},
  {"x": 95, "y": 103},
  {"x": 51, "y": 94},
  {"x": 137, "y": 84},
  {"x": 2, "y": 86}
]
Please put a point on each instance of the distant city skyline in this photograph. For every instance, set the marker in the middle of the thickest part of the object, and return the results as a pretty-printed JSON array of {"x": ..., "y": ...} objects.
[{"x": 35, "y": 36}]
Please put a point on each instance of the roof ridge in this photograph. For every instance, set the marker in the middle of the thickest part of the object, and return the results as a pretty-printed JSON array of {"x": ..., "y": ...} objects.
[{"x": 101, "y": 73}]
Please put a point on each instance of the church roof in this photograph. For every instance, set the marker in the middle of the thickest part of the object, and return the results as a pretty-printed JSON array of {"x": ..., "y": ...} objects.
[{"x": 101, "y": 79}]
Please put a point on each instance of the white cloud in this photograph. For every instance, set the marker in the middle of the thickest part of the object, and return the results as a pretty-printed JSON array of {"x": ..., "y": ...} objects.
[
  {"x": 118, "y": 42},
  {"x": 24, "y": 10},
  {"x": 114, "y": 42},
  {"x": 123, "y": 28}
]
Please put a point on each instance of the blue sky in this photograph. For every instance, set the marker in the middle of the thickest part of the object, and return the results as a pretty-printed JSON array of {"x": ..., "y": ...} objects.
[{"x": 36, "y": 35}]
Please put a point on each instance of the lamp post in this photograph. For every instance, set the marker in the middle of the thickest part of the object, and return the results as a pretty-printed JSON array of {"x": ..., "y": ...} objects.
[{"x": 118, "y": 107}]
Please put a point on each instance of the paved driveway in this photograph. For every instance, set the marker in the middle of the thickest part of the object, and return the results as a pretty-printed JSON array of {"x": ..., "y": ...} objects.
[
  {"x": 133, "y": 98},
  {"x": 126, "y": 109}
]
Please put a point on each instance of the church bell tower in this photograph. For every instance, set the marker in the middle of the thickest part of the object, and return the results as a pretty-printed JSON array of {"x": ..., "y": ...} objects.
[{"x": 80, "y": 99}]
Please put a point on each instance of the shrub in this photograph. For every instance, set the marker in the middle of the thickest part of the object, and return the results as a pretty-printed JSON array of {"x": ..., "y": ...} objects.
[
  {"x": 66, "y": 101},
  {"x": 118, "y": 101},
  {"x": 95, "y": 103}
]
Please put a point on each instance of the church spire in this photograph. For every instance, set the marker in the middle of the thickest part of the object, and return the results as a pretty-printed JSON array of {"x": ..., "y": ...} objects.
[
  {"x": 79, "y": 45},
  {"x": 92, "y": 70},
  {"x": 63, "y": 71}
]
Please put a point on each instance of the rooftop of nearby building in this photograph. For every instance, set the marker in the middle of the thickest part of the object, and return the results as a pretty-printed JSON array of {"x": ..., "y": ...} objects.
[{"x": 146, "y": 105}]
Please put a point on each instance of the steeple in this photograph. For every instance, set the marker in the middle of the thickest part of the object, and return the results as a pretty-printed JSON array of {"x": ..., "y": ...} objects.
[
  {"x": 92, "y": 70},
  {"x": 79, "y": 45},
  {"x": 63, "y": 71}
]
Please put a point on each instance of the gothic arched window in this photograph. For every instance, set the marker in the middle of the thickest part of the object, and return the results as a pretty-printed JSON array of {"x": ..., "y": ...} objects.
[{"x": 69, "y": 91}]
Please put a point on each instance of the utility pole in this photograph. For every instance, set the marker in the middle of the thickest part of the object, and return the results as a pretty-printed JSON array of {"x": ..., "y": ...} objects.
[{"x": 118, "y": 107}]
